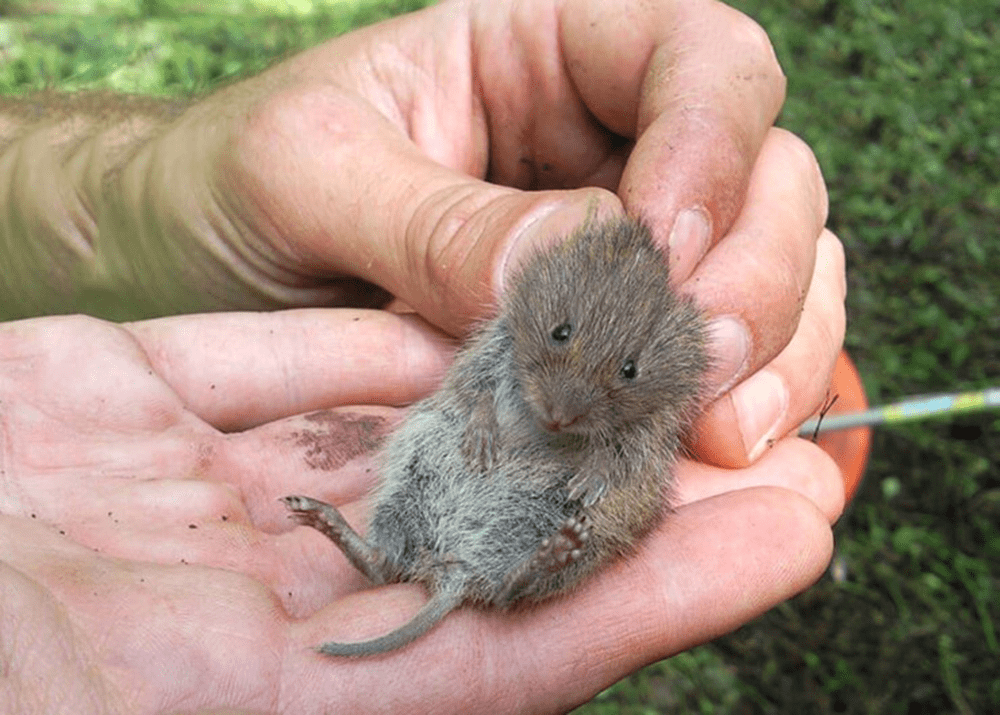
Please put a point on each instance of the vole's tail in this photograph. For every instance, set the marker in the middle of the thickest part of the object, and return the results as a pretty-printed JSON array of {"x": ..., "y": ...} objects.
[{"x": 440, "y": 604}]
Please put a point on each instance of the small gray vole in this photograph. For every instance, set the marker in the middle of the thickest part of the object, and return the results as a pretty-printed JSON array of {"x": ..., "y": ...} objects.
[{"x": 548, "y": 450}]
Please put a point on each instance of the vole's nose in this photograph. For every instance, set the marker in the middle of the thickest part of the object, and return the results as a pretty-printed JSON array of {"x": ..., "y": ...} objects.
[{"x": 565, "y": 413}]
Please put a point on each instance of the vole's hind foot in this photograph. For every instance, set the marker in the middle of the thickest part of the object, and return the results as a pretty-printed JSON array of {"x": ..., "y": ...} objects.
[
  {"x": 554, "y": 553},
  {"x": 564, "y": 547},
  {"x": 319, "y": 515},
  {"x": 328, "y": 521}
]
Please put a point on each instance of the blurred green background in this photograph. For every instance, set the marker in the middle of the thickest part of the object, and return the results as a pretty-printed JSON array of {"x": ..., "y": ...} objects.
[{"x": 900, "y": 101}]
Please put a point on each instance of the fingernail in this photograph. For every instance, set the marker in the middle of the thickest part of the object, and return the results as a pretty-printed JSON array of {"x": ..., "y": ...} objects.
[
  {"x": 729, "y": 346},
  {"x": 543, "y": 225},
  {"x": 536, "y": 230},
  {"x": 688, "y": 240},
  {"x": 760, "y": 403}
]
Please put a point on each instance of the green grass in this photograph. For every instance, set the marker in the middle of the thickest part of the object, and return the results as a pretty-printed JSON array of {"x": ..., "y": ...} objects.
[
  {"x": 899, "y": 101},
  {"x": 163, "y": 47}
]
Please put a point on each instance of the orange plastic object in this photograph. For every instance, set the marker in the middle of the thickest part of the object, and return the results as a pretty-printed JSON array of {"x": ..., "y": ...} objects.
[{"x": 849, "y": 448}]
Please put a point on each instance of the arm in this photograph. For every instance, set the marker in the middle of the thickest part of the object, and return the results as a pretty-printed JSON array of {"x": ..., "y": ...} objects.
[{"x": 113, "y": 209}]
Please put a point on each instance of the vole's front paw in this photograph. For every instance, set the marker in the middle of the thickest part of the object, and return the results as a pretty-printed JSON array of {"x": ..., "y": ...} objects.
[
  {"x": 479, "y": 448},
  {"x": 587, "y": 486},
  {"x": 479, "y": 442}
]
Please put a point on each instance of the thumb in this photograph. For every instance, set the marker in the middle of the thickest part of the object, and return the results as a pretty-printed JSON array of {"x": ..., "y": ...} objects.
[
  {"x": 450, "y": 260},
  {"x": 340, "y": 191}
]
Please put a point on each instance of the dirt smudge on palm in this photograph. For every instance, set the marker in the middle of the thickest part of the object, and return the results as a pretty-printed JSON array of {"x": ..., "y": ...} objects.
[{"x": 338, "y": 437}]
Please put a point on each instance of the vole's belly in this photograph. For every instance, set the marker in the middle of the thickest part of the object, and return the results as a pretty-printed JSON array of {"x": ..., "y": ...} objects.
[{"x": 432, "y": 510}]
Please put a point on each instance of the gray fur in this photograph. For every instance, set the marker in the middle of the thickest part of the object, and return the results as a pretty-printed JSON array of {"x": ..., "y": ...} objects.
[{"x": 540, "y": 459}]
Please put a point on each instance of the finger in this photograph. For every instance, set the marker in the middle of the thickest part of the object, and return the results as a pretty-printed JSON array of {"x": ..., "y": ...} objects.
[
  {"x": 436, "y": 238},
  {"x": 236, "y": 370},
  {"x": 698, "y": 89},
  {"x": 418, "y": 135},
  {"x": 753, "y": 284},
  {"x": 712, "y": 566},
  {"x": 793, "y": 464},
  {"x": 742, "y": 424}
]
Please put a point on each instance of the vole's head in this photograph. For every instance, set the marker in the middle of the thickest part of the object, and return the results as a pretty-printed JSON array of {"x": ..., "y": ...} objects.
[{"x": 600, "y": 340}]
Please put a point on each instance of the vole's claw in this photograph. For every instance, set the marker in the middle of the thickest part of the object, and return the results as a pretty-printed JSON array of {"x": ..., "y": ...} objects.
[
  {"x": 302, "y": 509},
  {"x": 588, "y": 488}
]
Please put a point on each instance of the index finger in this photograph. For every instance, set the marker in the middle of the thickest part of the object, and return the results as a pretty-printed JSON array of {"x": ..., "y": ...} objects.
[
  {"x": 697, "y": 84},
  {"x": 239, "y": 370}
]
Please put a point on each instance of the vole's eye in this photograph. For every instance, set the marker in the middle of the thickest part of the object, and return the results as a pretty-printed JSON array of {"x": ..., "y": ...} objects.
[
  {"x": 629, "y": 370},
  {"x": 561, "y": 333}
]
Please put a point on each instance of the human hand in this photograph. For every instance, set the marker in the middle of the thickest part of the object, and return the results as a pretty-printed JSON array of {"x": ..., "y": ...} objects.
[
  {"x": 146, "y": 565},
  {"x": 400, "y": 155}
]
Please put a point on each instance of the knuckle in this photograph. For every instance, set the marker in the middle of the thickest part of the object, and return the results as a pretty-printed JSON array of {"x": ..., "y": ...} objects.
[
  {"x": 439, "y": 240},
  {"x": 755, "y": 43},
  {"x": 798, "y": 157},
  {"x": 301, "y": 115},
  {"x": 755, "y": 64},
  {"x": 798, "y": 151},
  {"x": 830, "y": 251}
]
